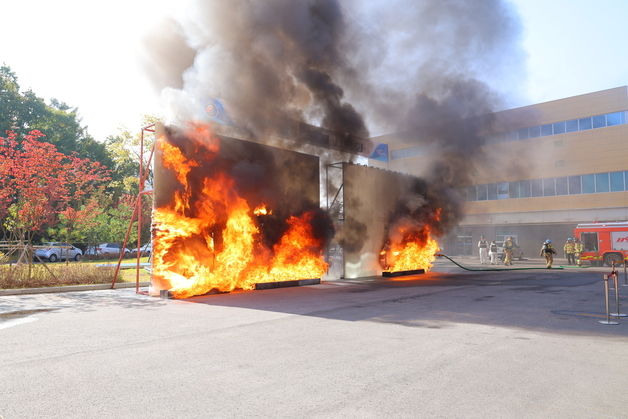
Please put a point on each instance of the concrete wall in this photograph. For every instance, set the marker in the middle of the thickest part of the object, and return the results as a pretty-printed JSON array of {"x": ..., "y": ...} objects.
[{"x": 370, "y": 194}]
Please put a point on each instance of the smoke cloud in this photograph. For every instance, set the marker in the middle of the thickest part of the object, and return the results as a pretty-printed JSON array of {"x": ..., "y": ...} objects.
[
  {"x": 274, "y": 63},
  {"x": 432, "y": 71}
]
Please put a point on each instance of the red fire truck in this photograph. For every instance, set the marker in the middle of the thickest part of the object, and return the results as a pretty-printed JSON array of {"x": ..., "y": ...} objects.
[{"x": 603, "y": 242}]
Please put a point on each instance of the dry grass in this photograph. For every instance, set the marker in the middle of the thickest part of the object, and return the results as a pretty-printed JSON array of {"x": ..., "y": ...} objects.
[
  {"x": 128, "y": 275},
  {"x": 64, "y": 274}
]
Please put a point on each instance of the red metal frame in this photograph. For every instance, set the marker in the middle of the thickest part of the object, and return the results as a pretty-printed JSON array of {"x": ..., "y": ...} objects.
[{"x": 137, "y": 211}]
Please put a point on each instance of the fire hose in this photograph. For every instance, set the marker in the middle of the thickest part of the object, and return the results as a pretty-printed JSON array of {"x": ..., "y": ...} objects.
[{"x": 490, "y": 269}]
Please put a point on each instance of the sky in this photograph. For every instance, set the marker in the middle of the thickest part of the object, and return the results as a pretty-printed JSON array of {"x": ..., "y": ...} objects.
[{"x": 87, "y": 53}]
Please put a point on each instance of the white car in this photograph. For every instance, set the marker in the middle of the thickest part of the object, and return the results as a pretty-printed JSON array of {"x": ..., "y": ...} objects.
[
  {"x": 105, "y": 249},
  {"x": 147, "y": 249},
  {"x": 54, "y": 251}
]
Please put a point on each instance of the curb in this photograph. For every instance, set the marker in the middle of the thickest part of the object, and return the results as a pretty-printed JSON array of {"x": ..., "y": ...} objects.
[{"x": 70, "y": 288}]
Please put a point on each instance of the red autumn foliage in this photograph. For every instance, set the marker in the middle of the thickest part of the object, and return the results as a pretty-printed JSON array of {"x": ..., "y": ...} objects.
[
  {"x": 85, "y": 216},
  {"x": 42, "y": 182}
]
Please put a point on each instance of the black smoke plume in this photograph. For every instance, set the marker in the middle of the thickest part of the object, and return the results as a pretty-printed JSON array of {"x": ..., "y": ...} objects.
[
  {"x": 274, "y": 63},
  {"x": 431, "y": 71}
]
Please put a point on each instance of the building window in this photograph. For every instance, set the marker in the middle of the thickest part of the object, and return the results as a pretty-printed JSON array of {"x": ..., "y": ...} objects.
[
  {"x": 561, "y": 186},
  {"x": 584, "y": 123},
  {"x": 534, "y": 132},
  {"x": 588, "y": 184},
  {"x": 513, "y": 189},
  {"x": 549, "y": 188},
  {"x": 599, "y": 121},
  {"x": 559, "y": 127},
  {"x": 536, "y": 187},
  {"x": 567, "y": 185},
  {"x": 482, "y": 192},
  {"x": 575, "y": 186},
  {"x": 601, "y": 182},
  {"x": 522, "y": 134},
  {"x": 617, "y": 181},
  {"x": 524, "y": 189},
  {"x": 502, "y": 190},
  {"x": 571, "y": 126},
  {"x": 616, "y": 118},
  {"x": 492, "y": 191},
  {"x": 546, "y": 130}
]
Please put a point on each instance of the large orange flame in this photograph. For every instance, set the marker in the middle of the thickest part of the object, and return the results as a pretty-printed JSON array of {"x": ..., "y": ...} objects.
[
  {"x": 213, "y": 241},
  {"x": 408, "y": 249}
]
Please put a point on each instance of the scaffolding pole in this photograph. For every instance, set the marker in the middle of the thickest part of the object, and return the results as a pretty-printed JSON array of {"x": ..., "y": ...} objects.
[{"x": 137, "y": 210}]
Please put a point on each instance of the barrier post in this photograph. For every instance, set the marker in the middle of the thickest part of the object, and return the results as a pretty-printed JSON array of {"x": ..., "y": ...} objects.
[
  {"x": 625, "y": 273},
  {"x": 616, "y": 283},
  {"x": 608, "y": 315}
]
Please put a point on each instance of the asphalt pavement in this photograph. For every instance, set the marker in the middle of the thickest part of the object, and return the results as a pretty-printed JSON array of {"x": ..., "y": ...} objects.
[{"x": 450, "y": 343}]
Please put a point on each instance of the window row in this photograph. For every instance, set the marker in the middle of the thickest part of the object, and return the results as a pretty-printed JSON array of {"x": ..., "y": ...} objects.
[
  {"x": 581, "y": 124},
  {"x": 568, "y": 185}
]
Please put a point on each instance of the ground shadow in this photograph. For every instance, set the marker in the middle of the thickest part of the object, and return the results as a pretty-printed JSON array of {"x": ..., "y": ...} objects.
[{"x": 559, "y": 301}]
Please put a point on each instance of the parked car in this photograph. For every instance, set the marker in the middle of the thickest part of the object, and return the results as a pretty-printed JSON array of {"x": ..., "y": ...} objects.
[
  {"x": 54, "y": 251},
  {"x": 517, "y": 253},
  {"x": 147, "y": 249},
  {"x": 106, "y": 249}
]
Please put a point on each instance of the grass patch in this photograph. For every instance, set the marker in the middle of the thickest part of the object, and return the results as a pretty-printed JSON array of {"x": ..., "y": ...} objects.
[
  {"x": 64, "y": 274},
  {"x": 143, "y": 259},
  {"x": 128, "y": 275}
]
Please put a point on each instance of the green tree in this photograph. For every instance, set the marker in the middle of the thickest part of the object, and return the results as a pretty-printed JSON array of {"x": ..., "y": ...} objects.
[
  {"x": 124, "y": 151},
  {"x": 22, "y": 112}
]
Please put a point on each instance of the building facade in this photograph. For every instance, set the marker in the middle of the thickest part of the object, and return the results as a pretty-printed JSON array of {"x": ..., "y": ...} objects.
[{"x": 547, "y": 167}]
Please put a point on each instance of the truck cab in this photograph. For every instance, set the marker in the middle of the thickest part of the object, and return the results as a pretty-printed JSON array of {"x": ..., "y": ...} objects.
[{"x": 604, "y": 243}]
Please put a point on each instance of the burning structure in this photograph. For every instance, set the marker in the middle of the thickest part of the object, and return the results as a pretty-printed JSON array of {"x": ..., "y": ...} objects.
[
  {"x": 282, "y": 62},
  {"x": 229, "y": 214},
  {"x": 389, "y": 224}
]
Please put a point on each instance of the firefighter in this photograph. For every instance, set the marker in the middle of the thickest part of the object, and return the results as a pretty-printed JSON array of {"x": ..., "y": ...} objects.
[
  {"x": 508, "y": 245},
  {"x": 492, "y": 252},
  {"x": 548, "y": 251},
  {"x": 578, "y": 249},
  {"x": 570, "y": 250},
  {"x": 483, "y": 248}
]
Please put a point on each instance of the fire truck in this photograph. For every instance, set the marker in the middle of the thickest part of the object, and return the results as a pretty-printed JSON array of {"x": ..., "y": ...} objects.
[{"x": 603, "y": 242}]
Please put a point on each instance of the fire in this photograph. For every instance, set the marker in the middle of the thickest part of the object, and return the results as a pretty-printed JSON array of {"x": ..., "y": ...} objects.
[
  {"x": 409, "y": 248},
  {"x": 211, "y": 238},
  {"x": 262, "y": 210}
]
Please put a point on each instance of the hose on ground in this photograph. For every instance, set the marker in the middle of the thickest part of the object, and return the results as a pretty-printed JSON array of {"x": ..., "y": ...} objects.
[{"x": 490, "y": 269}]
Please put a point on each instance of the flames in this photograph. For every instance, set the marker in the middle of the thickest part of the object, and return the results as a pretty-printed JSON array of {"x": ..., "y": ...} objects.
[
  {"x": 410, "y": 246},
  {"x": 209, "y": 237},
  {"x": 262, "y": 210}
]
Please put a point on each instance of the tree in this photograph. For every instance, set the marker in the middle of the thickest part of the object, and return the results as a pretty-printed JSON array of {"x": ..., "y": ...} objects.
[
  {"x": 23, "y": 112},
  {"x": 39, "y": 182},
  {"x": 75, "y": 225},
  {"x": 124, "y": 151}
]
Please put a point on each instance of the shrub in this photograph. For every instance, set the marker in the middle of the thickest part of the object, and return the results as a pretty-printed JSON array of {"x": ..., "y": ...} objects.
[{"x": 17, "y": 276}]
